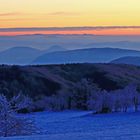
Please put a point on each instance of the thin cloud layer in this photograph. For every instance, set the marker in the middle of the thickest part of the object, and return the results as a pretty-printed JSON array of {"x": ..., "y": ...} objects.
[
  {"x": 67, "y": 28},
  {"x": 63, "y": 13},
  {"x": 9, "y": 14}
]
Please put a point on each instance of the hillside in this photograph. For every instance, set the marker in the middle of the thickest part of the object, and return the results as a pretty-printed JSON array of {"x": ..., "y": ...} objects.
[
  {"x": 127, "y": 60},
  {"x": 37, "y": 81}
]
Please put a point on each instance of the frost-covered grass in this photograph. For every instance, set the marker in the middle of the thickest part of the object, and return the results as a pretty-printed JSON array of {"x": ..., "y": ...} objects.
[{"x": 83, "y": 125}]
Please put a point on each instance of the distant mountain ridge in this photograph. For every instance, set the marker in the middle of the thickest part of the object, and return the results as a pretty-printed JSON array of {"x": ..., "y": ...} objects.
[
  {"x": 127, "y": 60},
  {"x": 19, "y": 55},
  {"x": 115, "y": 44},
  {"x": 55, "y": 48},
  {"x": 58, "y": 55},
  {"x": 91, "y": 55}
]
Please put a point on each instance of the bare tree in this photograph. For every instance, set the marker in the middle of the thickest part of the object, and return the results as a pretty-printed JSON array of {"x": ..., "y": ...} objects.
[
  {"x": 95, "y": 102},
  {"x": 118, "y": 100},
  {"x": 135, "y": 95}
]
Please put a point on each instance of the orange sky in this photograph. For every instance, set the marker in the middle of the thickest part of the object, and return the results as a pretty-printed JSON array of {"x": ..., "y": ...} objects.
[
  {"x": 70, "y": 13},
  {"x": 114, "y": 31}
]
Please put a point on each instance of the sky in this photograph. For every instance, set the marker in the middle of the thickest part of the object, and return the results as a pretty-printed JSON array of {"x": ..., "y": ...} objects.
[{"x": 70, "y": 13}]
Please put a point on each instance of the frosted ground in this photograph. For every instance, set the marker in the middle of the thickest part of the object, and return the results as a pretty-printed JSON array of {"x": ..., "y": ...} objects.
[{"x": 83, "y": 125}]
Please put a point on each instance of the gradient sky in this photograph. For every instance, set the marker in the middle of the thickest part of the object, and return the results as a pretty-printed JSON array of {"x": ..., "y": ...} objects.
[{"x": 69, "y": 13}]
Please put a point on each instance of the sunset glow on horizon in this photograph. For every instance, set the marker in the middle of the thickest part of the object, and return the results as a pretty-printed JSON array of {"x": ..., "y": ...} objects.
[
  {"x": 104, "y": 31},
  {"x": 66, "y": 13}
]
